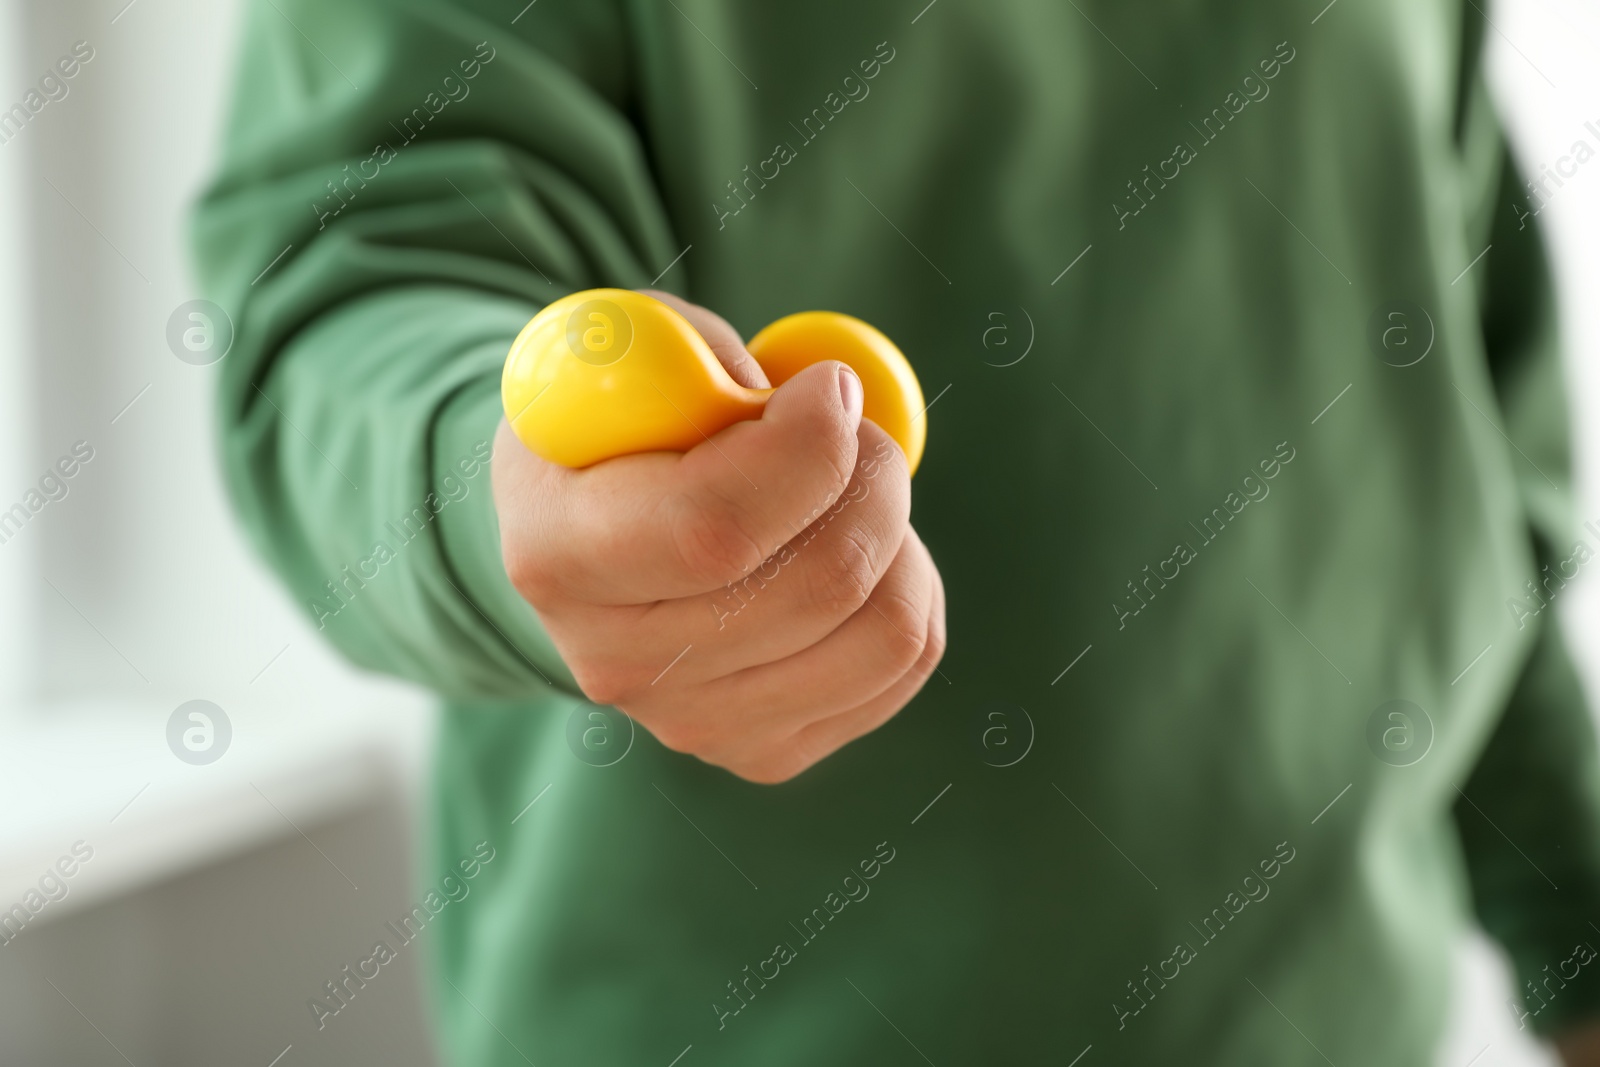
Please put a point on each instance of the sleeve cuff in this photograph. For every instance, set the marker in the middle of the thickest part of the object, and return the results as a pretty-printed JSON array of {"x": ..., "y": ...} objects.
[{"x": 470, "y": 538}]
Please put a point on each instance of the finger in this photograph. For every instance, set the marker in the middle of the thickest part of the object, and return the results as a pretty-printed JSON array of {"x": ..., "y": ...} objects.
[
  {"x": 783, "y": 758},
  {"x": 638, "y": 529},
  {"x": 721, "y": 336},
  {"x": 791, "y": 601},
  {"x": 819, "y": 740},
  {"x": 736, "y": 720}
]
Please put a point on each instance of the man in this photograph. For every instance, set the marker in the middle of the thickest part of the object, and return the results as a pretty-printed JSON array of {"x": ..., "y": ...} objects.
[{"x": 1246, "y": 482}]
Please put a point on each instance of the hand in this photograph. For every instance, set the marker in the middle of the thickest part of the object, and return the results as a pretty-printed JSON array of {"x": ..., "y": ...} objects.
[{"x": 759, "y": 601}]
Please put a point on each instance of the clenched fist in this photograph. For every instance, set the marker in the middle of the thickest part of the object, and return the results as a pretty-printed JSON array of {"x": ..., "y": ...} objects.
[{"x": 759, "y": 601}]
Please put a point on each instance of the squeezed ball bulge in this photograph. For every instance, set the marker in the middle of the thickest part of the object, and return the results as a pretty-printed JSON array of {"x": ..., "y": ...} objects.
[{"x": 609, "y": 372}]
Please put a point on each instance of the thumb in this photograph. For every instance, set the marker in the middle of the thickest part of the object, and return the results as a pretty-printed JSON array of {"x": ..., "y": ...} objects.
[
  {"x": 825, "y": 399},
  {"x": 803, "y": 446}
]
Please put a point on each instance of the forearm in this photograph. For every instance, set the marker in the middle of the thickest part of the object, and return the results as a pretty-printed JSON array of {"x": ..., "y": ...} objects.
[
  {"x": 365, "y": 368},
  {"x": 361, "y": 469}
]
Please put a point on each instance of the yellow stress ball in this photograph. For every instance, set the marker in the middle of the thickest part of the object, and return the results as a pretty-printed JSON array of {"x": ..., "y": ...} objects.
[{"x": 609, "y": 372}]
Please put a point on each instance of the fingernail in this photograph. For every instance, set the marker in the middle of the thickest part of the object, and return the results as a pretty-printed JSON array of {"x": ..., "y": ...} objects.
[{"x": 850, "y": 393}]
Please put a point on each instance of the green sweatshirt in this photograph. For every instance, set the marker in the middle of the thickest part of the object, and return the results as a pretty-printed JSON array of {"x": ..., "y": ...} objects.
[{"x": 1246, "y": 425}]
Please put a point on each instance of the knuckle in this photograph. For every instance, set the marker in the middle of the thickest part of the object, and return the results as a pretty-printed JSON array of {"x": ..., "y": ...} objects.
[
  {"x": 934, "y": 647},
  {"x": 530, "y": 576},
  {"x": 843, "y": 579},
  {"x": 881, "y": 459},
  {"x": 712, "y": 542},
  {"x": 905, "y": 632},
  {"x": 601, "y": 682}
]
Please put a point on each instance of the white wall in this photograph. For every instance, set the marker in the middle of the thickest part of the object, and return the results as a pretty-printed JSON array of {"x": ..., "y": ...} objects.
[
  {"x": 144, "y": 547},
  {"x": 136, "y": 593},
  {"x": 17, "y": 645},
  {"x": 1545, "y": 70}
]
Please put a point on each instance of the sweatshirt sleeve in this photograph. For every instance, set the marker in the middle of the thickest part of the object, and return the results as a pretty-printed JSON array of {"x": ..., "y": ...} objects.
[
  {"x": 402, "y": 185},
  {"x": 1529, "y": 815}
]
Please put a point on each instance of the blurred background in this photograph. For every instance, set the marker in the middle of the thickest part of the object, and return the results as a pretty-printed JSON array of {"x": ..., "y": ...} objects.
[{"x": 242, "y": 851}]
